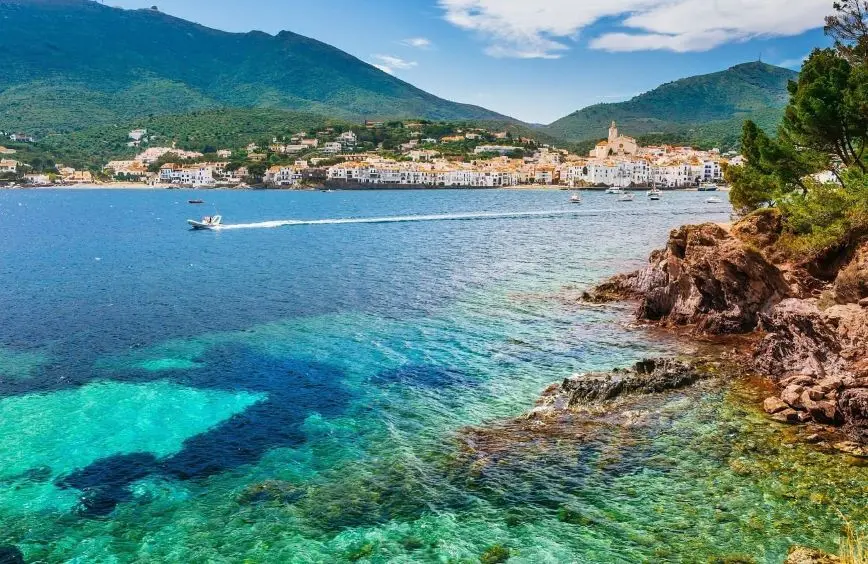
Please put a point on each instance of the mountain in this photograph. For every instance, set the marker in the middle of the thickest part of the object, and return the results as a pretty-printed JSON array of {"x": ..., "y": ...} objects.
[
  {"x": 710, "y": 107},
  {"x": 69, "y": 64}
]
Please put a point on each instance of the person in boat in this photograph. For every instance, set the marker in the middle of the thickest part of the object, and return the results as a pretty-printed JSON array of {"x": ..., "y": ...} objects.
[{"x": 207, "y": 220}]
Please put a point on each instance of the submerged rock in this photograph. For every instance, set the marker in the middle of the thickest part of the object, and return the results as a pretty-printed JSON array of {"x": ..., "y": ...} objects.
[
  {"x": 271, "y": 491},
  {"x": 705, "y": 278},
  {"x": 803, "y": 555},
  {"x": 646, "y": 377},
  {"x": 11, "y": 555}
]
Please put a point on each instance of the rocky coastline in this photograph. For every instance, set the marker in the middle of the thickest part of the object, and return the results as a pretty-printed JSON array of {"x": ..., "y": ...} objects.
[
  {"x": 799, "y": 330},
  {"x": 807, "y": 323}
]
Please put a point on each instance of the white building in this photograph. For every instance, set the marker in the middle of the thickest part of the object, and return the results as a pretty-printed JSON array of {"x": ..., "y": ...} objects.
[
  {"x": 8, "y": 165},
  {"x": 348, "y": 139},
  {"x": 332, "y": 148}
]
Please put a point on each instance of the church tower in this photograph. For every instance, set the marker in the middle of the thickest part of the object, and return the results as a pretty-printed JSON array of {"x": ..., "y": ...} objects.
[{"x": 613, "y": 133}]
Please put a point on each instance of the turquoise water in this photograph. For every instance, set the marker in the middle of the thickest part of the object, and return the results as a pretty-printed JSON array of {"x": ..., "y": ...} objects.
[{"x": 304, "y": 393}]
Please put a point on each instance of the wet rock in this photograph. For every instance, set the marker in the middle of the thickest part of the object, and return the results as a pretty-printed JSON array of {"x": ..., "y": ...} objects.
[
  {"x": 851, "y": 284},
  {"x": 706, "y": 278},
  {"x": 788, "y": 415},
  {"x": 646, "y": 377},
  {"x": 803, "y": 555},
  {"x": 852, "y": 448},
  {"x": 774, "y": 405},
  {"x": 11, "y": 555}
]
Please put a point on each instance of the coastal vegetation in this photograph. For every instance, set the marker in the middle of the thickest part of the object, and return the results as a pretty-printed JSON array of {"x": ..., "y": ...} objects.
[{"x": 814, "y": 171}]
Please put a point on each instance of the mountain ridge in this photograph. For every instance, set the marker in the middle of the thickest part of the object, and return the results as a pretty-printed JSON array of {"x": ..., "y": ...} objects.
[
  {"x": 144, "y": 62},
  {"x": 674, "y": 108}
]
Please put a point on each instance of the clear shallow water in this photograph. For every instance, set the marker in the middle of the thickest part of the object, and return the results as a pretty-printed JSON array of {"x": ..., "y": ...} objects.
[{"x": 295, "y": 392}]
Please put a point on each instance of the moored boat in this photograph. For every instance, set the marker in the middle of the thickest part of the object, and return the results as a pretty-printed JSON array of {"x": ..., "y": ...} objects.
[
  {"x": 575, "y": 199},
  {"x": 627, "y": 198},
  {"x": 714, "y": 200}
]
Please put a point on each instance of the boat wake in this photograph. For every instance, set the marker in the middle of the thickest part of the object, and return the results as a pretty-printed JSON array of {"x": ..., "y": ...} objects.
[{"x": 447, "y": 217}]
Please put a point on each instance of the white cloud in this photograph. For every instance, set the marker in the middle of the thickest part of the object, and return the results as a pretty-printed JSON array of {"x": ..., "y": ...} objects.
[
  {"x": 418, "y": 43},
  {"x": 390, "y": 64},
  {"x": 543, "y": 28}
]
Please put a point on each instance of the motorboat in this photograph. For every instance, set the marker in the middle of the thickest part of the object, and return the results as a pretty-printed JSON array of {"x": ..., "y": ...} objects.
[
  {"x": 208, "y": 223},
  {"x": 627, "y": 198},
  {"x": 707, "y": 187},
  {"x": 575, "y": 199},
  {"x": 655, "y": 194},
  {"x": 195, "y": 201},
  {"x": 714, "y": 200},
  {"x": 614, "y": 190}
]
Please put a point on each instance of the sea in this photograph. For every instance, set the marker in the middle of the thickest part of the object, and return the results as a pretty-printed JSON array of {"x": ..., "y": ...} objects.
[{"x": 306, "y": 386}]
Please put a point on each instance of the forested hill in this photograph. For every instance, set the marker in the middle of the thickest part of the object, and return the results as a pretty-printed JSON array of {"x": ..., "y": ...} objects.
[
  {"x": 69, "y": 64},
  {"x": 712, "y": 105}
]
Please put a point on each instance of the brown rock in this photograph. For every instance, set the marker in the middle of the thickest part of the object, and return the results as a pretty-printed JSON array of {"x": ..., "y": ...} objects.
[
  {"x": 792, "y": 395},
  {"x": 851, "y": 448},
  {"x": 853, "y": 405},
  {"x": 863, "y": 302},
  {"x": 825, "y": 412},
  {"x": 761, "y": 229},
  {"x": 814, "y": 394},
  {"x": 774, "y": 405},
  {"x": 788, "y": 415},
  {"x": 705, "y": 277},
  {"x": 830, "y": 384},
  {"x": 800, "y": 341},
  {"x": 803, "y": 555},
  {"x": 851, "y": 284}
]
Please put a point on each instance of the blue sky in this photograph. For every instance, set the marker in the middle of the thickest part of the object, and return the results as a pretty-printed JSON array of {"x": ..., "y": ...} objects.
[{"x": 537, "y": 60}]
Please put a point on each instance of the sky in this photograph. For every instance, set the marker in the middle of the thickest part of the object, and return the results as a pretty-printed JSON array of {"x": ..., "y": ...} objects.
[{"x": 536, "y": 60}]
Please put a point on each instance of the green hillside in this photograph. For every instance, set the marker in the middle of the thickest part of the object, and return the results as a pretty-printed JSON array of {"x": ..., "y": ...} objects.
[
  {"x": 701, "y": 109},
  {"x": 69, "y": 64}
]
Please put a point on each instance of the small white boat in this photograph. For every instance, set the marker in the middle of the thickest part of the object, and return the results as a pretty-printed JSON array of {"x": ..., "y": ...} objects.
[
  {"x": 614, "y": 190},
  {"x": 208, "y": 223},
  {"x": 707, "y": 187},
  {"x": 655, "y": 194},
  {"x": 714, "y": 200},
  {"x": 627, "y": 198},
  {"x": 575, "y": 199}
]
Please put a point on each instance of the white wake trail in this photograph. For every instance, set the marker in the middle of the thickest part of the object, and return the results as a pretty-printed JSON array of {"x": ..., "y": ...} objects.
[{"x": 442, "y": 217}]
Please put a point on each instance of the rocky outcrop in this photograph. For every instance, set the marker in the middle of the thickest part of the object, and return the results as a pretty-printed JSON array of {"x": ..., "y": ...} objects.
[
  {"x": 818, "y": 357},
  {"x": 595, "y": 407},
  {"x": 717, "y": 282},
  {"x": 645, "y": 377},
  {"x": 851, "y": 284},
  {"x": 761, "y": 229},
  {"x": 704, "y": 278}
]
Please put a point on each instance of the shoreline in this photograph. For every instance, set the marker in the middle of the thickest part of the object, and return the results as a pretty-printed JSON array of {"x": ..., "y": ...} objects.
[{"x": 368, "y": 188}]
